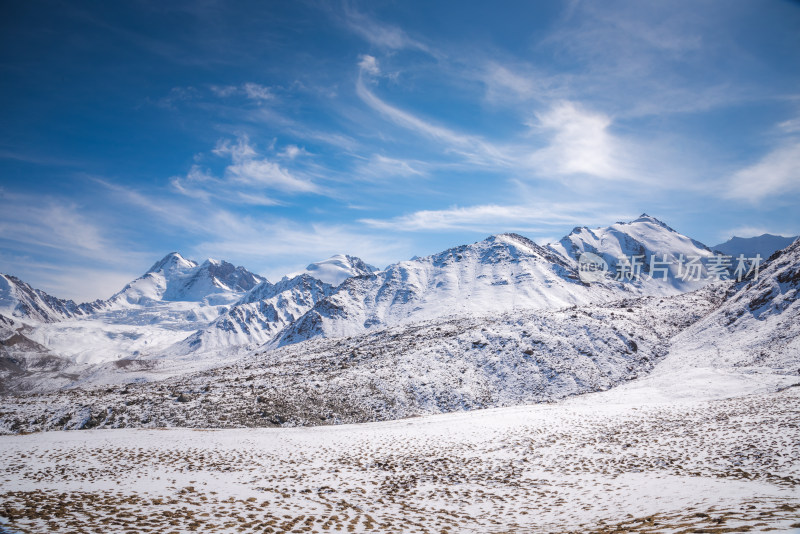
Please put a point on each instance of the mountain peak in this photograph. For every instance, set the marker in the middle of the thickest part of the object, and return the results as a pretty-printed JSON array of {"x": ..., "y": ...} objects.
[
  {"x": 171, "y": 260},
  {"x": 337, "y": 269},
  {"x": 645, "y": 237},
  {"x": 513, "y": 239},
  {"x": 174, "y": 278},
  {"x": 645, "y": 218},
  {"x": 521, "y": 244}
]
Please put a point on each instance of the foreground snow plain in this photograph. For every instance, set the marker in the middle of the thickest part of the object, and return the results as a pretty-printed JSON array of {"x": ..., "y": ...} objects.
[{"x": 715, "y": 450}]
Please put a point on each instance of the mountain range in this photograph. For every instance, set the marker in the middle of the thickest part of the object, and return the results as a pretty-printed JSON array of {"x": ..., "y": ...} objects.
[
  {"x": 764, "y": 245},
  {"x": 183, "y": 316}
]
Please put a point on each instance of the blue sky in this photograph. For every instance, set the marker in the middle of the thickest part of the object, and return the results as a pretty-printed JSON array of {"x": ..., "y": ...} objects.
[{"x": 273, "y": 134}]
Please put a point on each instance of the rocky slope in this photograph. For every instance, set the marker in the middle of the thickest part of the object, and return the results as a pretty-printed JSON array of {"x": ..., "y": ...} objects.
[
  {"x": 437, "y": 366},
  {"x": 500, "y": 274},
  {"x": 259, "y": 316},
  {"x": 757, "y": 325}
]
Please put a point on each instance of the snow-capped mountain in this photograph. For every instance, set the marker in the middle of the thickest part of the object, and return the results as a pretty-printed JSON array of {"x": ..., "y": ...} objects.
[
  {"x": 337, "y": 269},
  {"x": 501, "y": 273},
  {"x": 174, "y": 278},
  {"x": 764, "y": 245},
  {"x": 18, "y": 299},
  {"x": 183, "y": 310},
  {"x": 173, "y": 299},
  {"x": 648, "y": 238},
  {"x": 260, "y": 314}
]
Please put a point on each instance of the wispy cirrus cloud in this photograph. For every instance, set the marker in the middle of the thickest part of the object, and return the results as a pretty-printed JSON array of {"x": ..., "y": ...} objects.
[
  {"x": 777, "y": 173},
  {"x": 87, "y": 258},
  {"x": 33, "y": 221},
  {"x": 250, "y": 90},
  {"x": 507, "y": 84},
  {"x": 248, "y": 176},
  {"x": 381, "y": 167},
  {"x": 270, "y": 245},
  {"x": 572, "y": 140},
  {"x": 492, "y": 218},
  {"x": 379, "y": 34},
  {"x": 471, "y": 147}
]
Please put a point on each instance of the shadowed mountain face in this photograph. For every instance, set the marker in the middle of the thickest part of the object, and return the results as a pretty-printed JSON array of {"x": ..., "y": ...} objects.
[{"x": 764, "y": 245}]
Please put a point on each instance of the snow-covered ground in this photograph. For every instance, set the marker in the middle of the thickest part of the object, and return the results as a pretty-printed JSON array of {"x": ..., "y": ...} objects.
[{"x": 643, "y": 458}]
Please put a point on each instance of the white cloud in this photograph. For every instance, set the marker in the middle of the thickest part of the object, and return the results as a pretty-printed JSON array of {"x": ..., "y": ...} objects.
[
  {"x": 240, "y": 150},
  {"x": 292, "y": 151},
  {"x": 224, "y": 91},
  {"x": 247, "y": 176},
  {"x": 518, "y": 83},
  {"x": 369, "y": 65},
  {"x": 381, "y": 35},
  {"x": 473, "y": 148},
  {"x": 266, "y": 173},
  {"x": 778, "y": 173},
  {"x": 790, "y": 126},
  {"x": 254, "y": 199},
  {"x": 49, "y": 223},
  {"x": 254, "y": 91},
  {"x": 379, "y": 166},
  {"x": 86, "y": 257},
  {"x": 250, "y": 90},
  {"x": 490, "y": 218},
  {"x": 580, "y": 144}
]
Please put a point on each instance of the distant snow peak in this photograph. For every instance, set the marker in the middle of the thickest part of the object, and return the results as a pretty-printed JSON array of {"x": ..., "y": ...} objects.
[
  {"x": 337, "y": 269},
  {"x": 172, "y": 262},
  {"x": 646, "y": 238},
  {"x": 764, "y": 245},
  {"x": 501, "y": 273},
  {"x": 215, "y": 310},
  {"x": 645, "y": 218},
  {"x": 175, "y": 278},
  {"x": 20, "y": 300}
]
